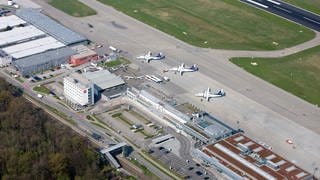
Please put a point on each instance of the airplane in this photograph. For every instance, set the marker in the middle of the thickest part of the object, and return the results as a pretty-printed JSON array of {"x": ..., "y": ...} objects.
[
  {"x": 208, "y": 94},
  {"x": 181, "y": 69},
  {"x": 133, "y": 77},
  {"x": 148, "y": 57},
  {"x": 153, "y": 78}
]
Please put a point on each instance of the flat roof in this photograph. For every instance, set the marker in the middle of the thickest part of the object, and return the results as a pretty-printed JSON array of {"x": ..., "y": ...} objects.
[
  {"x": 32, "y": 47},
  {"x": 11, "y": 20},
  {"x": 50, "y": 26},
  {"x": 168, "y": 107},
  {"x": 82, "y": 51},
  {"x": 104, "y": 79},
  {"x": 249, "y": 159},
  {"x": 44, "y": 57},
  {"x": 19, "y": 34},
  {"x": 79, "y": 80},
  {"x": 213, "y": 127},
  {"x": 3, "y": 54},
  {"x": 112, "y": 148}
]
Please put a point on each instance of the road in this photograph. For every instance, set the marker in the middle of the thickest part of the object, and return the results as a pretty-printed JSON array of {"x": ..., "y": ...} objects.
[
  {"x": 263, "y": 110},
  {"x": 285, "y": 10}
]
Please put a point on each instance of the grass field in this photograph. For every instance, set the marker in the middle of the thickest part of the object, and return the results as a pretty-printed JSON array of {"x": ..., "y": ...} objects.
[
  {"x": 311, "y": 5},
  {"x": 298, "y": 74},
  {"x": 73, "y": 7},
  {"x": 223, "y": 24},
  {"x": 41, "y": 89}
]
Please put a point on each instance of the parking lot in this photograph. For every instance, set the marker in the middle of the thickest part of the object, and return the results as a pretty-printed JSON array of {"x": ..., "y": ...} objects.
[{"x": 186, "y": 168}]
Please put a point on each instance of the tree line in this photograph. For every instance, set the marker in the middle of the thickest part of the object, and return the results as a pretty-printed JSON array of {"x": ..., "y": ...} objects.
[{"x": 35, "y": 146}]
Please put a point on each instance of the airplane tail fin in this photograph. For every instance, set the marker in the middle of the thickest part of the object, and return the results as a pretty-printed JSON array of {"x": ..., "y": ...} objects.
[
  {"x": 221, "y": 92},
  {"x": 195, "y": 67}
]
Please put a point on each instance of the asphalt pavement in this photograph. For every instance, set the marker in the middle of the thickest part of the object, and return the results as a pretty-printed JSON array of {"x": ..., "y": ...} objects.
[{"x": 285, "y": 10}]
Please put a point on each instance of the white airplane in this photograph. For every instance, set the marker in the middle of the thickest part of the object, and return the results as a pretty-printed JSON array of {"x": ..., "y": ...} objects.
[
  {"x": 208, "y": 94},
  {"x": 133, "y": 77},
  {"x": 153, "y": 78},
  {"x": 181, "y": 69},
  {"x": 148, "y": 57}
]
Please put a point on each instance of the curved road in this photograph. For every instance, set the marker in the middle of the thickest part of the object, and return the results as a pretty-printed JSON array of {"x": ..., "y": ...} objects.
[{"x": 264, "y": 111}]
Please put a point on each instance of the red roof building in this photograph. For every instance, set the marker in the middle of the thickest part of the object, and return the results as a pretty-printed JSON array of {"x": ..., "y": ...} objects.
[{"x": 248, "y": 159}]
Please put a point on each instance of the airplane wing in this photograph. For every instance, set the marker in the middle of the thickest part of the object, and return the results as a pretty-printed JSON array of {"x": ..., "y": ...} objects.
[
  {"x": 141, "y": 57},
  {"x": 199, "y": 94},
  {"x": 173, "y": 69}
]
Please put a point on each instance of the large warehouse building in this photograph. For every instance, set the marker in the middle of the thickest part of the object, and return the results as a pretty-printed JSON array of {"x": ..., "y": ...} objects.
[
  {"x": 33, "y": 42},
  {"x": 240, "y": 157},
  {"x": 51, "y": 27},
  {"x": 10, "y": 21},
  {"x": 39, "y": 62}
]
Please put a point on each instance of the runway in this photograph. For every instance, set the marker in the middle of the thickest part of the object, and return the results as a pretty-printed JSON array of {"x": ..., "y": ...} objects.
[
  {"x": 288, "y": 11},
  {"x": 265, "y": 112}
]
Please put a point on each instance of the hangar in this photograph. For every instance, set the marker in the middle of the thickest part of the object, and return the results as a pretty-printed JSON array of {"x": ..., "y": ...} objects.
[
  {"x": 51, "y": 27},
  {"x": 20, "y": 34},
  {"x": 33, "y": 42},
  {"x": 43, "y": 61},
  {"x": 11, "y": 21},
  {"x": 32, "y": 47}
]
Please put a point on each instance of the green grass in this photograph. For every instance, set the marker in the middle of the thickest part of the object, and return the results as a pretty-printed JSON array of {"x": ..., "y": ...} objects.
[
  {"x": 222, "y": 24},
  {"x": 73, "y": 7},
  {"x": 41, "y": 89},
  {"x": 298, "y": 74},
  {"x": 115, "y": 63},
  {"x": 311, "y": 5},
  {"x": 20, "y": 79}
]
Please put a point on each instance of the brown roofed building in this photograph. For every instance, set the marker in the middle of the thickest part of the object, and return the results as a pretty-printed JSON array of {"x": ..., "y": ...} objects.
[{"x": 241, "y": 157}]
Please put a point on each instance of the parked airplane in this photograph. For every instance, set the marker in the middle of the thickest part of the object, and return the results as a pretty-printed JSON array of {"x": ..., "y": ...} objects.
[
  {"x": 208, "y": 94},
  {"x": 148, "y": 57},
  {"x": 181, "y": 69},
  {"x": 133, "y": 77},
  {"x": 153, "y": 78}
]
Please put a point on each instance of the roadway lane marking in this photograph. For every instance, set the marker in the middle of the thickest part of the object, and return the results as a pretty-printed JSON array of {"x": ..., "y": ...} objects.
[
  {"x": 311, "y": 20},
  {"x": 286, "y": 10},
  {"x": 258, "y": 4},
  {"x": 274, "y": 2}
]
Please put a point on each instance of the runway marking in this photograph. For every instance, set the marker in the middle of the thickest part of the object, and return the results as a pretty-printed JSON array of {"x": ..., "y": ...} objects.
[
  {"x": 258, "y": 4},
  {"x": 311, "y": 20},
  {"x": 282, "y": 9},
  {"x": 274, "y": 2}
]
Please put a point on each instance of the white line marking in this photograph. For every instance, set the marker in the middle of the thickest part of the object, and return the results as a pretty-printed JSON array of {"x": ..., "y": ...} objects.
[
  {"x": 311, "y": 20},
  {"x": 282, "y": 9},
  {"x": 258, "y": 4},
  {"x": 274, "y": 2}
]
